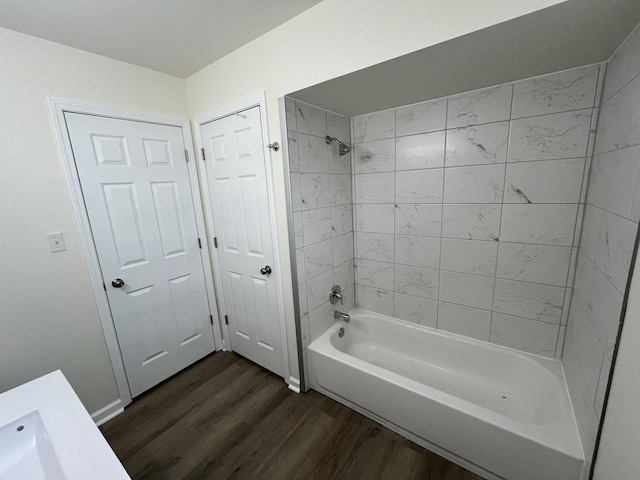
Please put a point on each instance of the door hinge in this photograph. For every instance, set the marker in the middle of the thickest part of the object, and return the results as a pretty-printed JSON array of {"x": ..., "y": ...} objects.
[
  {"x": 203, "y": 156},
  {"x": 215, "y": 242},
  {"x": 199, "y": 242},
  {"x": 186, "y": 155},
  {"x": 211, "y": 319},
  {"x": 226, "y": 320}
]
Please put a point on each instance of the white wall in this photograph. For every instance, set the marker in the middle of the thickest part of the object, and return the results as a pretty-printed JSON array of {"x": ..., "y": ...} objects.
[
  {"x": 48, "y": 317},
  {"x": 334, "y": 38}
]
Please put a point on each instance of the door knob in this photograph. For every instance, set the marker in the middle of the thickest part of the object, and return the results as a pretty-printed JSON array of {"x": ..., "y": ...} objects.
[
  {"x": 117, "y": 283},
  {"x": 266, "y": 270}
]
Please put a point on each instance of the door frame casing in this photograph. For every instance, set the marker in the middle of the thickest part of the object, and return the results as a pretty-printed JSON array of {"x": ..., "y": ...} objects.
[
  {"x": 57, "y": 109},
  {"x": 258, "y": 100}
]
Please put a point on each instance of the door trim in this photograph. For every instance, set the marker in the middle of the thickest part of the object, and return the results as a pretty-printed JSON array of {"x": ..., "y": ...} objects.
[
  {"x": 57, "y": 109},
  {"x": 258, "y": 100}
]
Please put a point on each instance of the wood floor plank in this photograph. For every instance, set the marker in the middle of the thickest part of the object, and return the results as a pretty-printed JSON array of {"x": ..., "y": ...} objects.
[{"x": 227, "y": 418}]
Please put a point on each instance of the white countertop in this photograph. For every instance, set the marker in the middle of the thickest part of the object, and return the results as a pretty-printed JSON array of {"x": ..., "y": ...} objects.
[{"x": 82, "y": 451}]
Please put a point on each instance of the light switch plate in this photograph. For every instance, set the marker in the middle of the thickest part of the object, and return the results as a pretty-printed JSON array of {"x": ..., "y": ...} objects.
[{"x": 56, "y": 242}]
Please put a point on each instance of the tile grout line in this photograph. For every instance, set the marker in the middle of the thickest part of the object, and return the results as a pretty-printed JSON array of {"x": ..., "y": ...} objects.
[
  {"x": 504, "y": 183},
  {"x": 444, "y": 172}
]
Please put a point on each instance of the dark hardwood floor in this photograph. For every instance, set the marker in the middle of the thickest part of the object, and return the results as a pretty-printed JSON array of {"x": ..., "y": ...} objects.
[{"x": 227, "y": 418}]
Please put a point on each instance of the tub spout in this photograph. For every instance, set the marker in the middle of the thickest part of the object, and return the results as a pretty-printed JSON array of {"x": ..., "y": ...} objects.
[{"x": 341, "y": 316}]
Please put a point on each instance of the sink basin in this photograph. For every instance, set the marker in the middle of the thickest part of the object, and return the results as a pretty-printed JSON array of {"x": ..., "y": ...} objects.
[
  {"x": 27, "y": 452},
  {"x": 47, "y": 434}
]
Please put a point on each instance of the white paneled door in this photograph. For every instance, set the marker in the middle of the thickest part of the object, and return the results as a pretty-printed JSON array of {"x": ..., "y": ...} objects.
[
  {"x": 138, "y": 196},
  {"x": 237, "y": 183}
]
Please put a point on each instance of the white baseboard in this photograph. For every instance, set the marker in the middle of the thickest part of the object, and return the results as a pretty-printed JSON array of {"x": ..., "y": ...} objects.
[
  {"x": 107, "y": 412},
  {"x": 294, "y": 384}
]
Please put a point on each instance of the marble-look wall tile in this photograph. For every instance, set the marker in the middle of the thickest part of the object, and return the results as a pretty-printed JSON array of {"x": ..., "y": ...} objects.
[
  {"x": 421, "y": 117},
  {"x": 298, "y": 230},
  {"x": 322, "y": 210},
  {"x": 311, "y": 120},
  {"x": 290, "y": 112},
  {"x": 615, "y": 249},
  {"x": 375, "y": 188},
  {"x": 344, "y": 274},
  {"x": 341, "y": 219},
  {"x": 348, "y": 299},
  {"x": 374, "y": 157},
  {"x": 613, "y": 181},
  {"x": 482, "y": 184},
  {"x": 318, "y": 258},
  {"x": 561, "y": 135},
  {"x": 417, "y": 152},
  {"x": 375, "y": 246},
  {"x": 534, "y": 263},
  {"x": 590, "y": 231},
  {"x": 338, "y": 127},
  {"x": 420, "y": 310},
  {"x": 418, "y": 251},
  {"x": 619, "y": 123},
  {"x": 296, "y": 200},
  {"x": 375, "y": 274},
  {"x": 469, "y": 256},
  {"x": 465, "y": 289},
  {"x": 338, "y": 164},
  {"x": 529, "y": 300},
  {"x": 302, "y": 299},
  {"x": 315, "y": 191},
  {"x": 523, "y": 334},
  {"x": 418, "y": 281},
  {"x": 548, "y": 181},
  {"x": 300, "y": 264},
  {"x": 375, "y": 217},
  {"x": 419, "y": 186},
  {"x": 471, "y": 221},
  {"x": 623, "y": 67},
  {"x": 589, "y": 355},
  {"x": 374, "y": 126},
  {"x": 316, "y": 225},
  {"x": 375, "y": 300},
  {"x": 548, "y": 224},
  {"x": 292, "y": 149},
  {"x": 480, "y": 106},
  {"x": 418, "y": 219},
  {"x": 341, "y": 190},
  {"x": 463, "y": 320},
  {"x": 477, "y": 145},
  {"x": 318, "y": 289},
  {"x": 313, "y": 154},
  {"x": 603, "y": 308},
  {"x": 573, "y": 89},
  {"x": 320, "y": 320},
  {"x": 343, "y": 249},
  {"x": 305, "y": 333},
  {"x": 603, "y": 378}
]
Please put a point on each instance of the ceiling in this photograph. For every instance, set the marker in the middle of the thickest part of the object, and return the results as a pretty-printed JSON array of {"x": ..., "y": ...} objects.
[
  {"x": 175, "y": 37},
  {"x": 573, "y": 33}
]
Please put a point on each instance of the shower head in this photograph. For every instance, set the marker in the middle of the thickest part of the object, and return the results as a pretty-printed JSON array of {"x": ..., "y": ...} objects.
[{"x": 343, "y": 148}]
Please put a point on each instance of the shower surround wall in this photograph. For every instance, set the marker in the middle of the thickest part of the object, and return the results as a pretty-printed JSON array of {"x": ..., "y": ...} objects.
[
  {"x": 322, "y": 205},
  {"x": 466, "y": 208},
  {"x": 608, "y": 234}
]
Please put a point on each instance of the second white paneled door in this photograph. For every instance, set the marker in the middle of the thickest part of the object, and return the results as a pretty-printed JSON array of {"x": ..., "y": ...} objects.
[
  {"x": 138, "y": 197},
  {"x": 237, "y": 184}
]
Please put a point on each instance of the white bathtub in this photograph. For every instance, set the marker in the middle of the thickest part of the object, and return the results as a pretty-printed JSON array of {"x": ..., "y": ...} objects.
[{"x": 501, "y": 413}]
